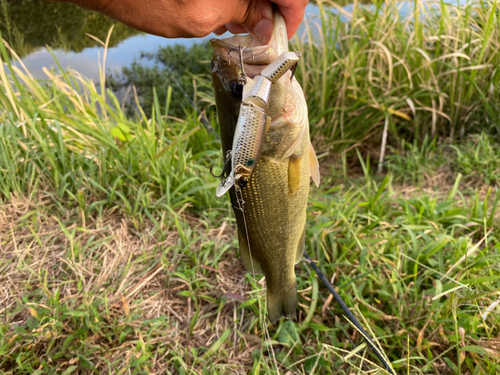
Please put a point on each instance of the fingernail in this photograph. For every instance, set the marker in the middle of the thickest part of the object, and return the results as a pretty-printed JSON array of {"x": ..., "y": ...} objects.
[{"x": 263, "y": 30}]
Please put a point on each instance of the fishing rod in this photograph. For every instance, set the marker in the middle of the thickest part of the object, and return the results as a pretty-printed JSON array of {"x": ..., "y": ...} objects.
[{"x": 349, "y": 314}]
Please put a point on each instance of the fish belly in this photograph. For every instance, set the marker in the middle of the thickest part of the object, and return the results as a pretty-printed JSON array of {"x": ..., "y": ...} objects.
[{"x": 271, "y": 233}]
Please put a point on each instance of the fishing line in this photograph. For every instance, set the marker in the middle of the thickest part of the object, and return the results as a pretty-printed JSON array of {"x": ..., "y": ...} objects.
[
  {"x": 348, "y": 312},
  {"x": 241, "y": 203}
]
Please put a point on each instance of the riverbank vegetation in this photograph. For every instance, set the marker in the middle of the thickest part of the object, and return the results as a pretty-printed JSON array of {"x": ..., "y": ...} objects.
[
  {"x": 407, "y": 69},
  {"x": 116, "y": 256},
  {"x": 28, "y": 25}
]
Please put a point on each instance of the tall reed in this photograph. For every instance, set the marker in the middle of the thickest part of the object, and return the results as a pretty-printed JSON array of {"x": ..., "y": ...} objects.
[
  {"x": 433, "y": 71},
  {"x": 70, "y": 138}
]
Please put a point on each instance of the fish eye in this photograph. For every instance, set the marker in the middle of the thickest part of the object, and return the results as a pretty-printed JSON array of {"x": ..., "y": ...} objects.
[
  {"x": 236, "y": 88},
  {"x": 243, "y": 182}
]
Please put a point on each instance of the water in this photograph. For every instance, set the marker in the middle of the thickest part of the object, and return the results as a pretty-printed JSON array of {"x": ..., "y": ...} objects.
[
  {"x": 34, "y": 24},
  {"x": 87, "y": 61},
  {"x": 128, "y": 44}
]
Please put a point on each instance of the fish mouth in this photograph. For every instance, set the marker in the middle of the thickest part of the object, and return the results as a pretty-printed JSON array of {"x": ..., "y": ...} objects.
[
  {"x": 253, "y": 52},
  {"x": 230, "y": 70}
]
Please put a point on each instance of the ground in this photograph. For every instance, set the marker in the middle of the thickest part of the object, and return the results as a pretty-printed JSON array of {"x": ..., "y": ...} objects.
[{"x": 117, "y": 294}]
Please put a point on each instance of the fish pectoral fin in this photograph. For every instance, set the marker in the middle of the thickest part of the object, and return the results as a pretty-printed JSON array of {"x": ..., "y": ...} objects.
[
  {"x": 294, "y": 173},
  {"x": 251, "y": 264},
  {"x": 314, "y": 165},
  {"x": 292, "y": 142}
]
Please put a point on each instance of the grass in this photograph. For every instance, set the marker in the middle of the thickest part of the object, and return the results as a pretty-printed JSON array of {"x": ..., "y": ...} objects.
[
  {"x": 73, "y": 139},
  {"x": 432, "y": 164},
  {"x": 116, "y": 256},
  {"x": 103, "y": 295},
  {"x": 375, "y": 69},
  {"x": 399, "y": 70}
]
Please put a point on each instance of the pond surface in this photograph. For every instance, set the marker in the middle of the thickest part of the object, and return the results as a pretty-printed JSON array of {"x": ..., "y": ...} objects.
[{"x": 31, "y": 25}]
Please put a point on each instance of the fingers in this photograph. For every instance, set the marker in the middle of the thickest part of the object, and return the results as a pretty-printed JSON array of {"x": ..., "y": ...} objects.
[
  {"x": 235, "y": 28},
  {"x": 221, "y": 30},
  {"x": 261, "y": 25},
  {"x": 254, "y": 17},
  {"x": 293, "y": 12},
  {"x": 258, "y": 18}
]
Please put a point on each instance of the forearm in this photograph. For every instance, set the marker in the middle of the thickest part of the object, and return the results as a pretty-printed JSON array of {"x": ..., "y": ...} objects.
[
  {"x": 197, "y": 18},
  {"x": 167, "y": 18}
]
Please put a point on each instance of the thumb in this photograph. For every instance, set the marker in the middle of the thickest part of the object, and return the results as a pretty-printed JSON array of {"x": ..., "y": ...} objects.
[{"x": 257, "y": 21}]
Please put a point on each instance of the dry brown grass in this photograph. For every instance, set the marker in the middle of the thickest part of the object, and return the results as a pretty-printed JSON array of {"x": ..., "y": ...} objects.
[{"x": 109, "y": 260}]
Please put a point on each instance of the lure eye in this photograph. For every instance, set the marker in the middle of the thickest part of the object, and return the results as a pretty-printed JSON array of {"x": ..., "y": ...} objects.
[
  {"x": 243, "y": 182},
  {"x": 236, "y": 88}
]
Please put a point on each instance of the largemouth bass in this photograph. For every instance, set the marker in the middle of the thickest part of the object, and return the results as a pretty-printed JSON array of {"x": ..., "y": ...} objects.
[
  {"x": 253, "y": 121},
  {"x": 270, "y": 208}
]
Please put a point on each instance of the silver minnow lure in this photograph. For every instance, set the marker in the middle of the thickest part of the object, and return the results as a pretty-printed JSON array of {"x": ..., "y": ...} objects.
[{"x": 253, "y": 122}]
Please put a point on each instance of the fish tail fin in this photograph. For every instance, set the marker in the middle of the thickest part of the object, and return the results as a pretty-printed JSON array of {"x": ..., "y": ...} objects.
[{"x": 282, "y": 303}]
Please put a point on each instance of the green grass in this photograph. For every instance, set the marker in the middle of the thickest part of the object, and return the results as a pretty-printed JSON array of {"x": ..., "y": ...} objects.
[
  {"x": 432, "y": 164},
  {"x": 104, "y": 295},
  {"x": 116, "y": 256},
  {"x": 367, "y": 72},
  {"x": 75, "y": 141},
  {"x": 431, "y": 73}
]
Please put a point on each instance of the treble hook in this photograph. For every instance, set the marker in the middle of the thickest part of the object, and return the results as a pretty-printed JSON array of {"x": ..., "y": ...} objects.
[
  {"x": 226, "y": 169},
  {"x": 214, "y": 175},
  {"x": 243, "y": 77}
]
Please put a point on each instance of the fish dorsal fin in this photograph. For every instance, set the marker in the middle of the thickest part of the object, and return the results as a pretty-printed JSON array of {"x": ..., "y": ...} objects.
[{"x": 314, "y": 165}]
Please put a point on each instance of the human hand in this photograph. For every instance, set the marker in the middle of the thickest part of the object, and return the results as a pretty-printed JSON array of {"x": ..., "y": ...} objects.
[
  {"x": 198, "y": 18},
  {"x": 259, "y": 19}
]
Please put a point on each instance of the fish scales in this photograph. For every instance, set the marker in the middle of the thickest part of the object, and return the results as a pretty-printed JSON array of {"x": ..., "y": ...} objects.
[
  {"x": 276, "y": 231},
  {"x": 271, "y": 225}
]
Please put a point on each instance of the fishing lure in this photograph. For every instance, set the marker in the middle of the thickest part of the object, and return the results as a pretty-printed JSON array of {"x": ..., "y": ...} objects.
[{"x": 253, "y": 121}]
